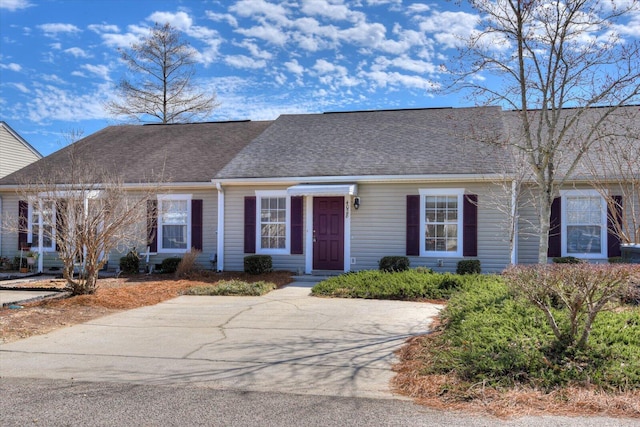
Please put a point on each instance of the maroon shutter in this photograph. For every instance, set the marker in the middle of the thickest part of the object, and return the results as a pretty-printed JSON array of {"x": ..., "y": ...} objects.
[
  {"x": 413, "y": 225},
  {"x": 23, "y": 223},
  {"x": 613, "y": 240},
  {"x": 61, "y": 221},
  {"x": 196, "y": 224},
  {"x": 470, "y": 225},
  {"x": 297, "y": 226},
  {"x": 555, "y": 229},
  {"x": 250, "y": 225},
  {"x": 152, "y": 225}
]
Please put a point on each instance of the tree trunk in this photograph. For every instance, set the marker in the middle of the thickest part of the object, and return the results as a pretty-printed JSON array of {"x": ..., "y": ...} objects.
[{"x": 544, "y": 217}]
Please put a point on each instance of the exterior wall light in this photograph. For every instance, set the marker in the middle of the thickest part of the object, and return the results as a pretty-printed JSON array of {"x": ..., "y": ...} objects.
[{"x": 356, "y": 203}]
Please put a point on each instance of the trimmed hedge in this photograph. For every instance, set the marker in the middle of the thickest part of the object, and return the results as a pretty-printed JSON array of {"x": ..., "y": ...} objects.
[
  {"x": 394, "y": 263},
  {"x": 468, "y": 266},
  {"x": 130, "y": 263},
  {"x": 258, "y": 264},
  {"x": 170, "y": 265}
]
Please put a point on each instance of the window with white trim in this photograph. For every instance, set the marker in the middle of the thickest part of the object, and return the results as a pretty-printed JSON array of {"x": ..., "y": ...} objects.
[
  {"x": 42, "y": 215},
  {"x": 273, "y": 218},
  {"x": 174, "y": 223},
  {"x": 441, "y": 223},
  {"x": 584, "y": 224}
]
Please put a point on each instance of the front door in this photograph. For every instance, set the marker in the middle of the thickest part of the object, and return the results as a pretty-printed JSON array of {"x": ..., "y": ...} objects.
[{"x": 328, "y": 233}]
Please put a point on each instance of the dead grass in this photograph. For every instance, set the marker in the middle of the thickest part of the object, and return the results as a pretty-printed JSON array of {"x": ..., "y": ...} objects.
[
  {"x": 112, "y": 295},
  {"x": 447, "y": 392}
]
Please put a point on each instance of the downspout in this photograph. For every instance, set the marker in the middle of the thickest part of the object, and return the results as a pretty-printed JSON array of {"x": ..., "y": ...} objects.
[
  {"x": 514, "y": 223},
  {"x": 220, "y": 237},
  {"x": 40, "y": 237}
]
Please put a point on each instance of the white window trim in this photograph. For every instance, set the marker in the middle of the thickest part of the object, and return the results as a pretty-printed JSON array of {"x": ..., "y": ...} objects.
[
  {"x": 459, "y": 192},
  {"x": 564, "y": 223},
  {"x": 173, "y": 197},
  {"x": 35, "y": 246},
  {"x": 273, "y": 193}
]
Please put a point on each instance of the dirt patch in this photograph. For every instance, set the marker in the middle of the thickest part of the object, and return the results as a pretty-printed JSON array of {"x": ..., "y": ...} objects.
[
  {"x": 431, "y": 390},
  {"x": 112, "y": 295}
]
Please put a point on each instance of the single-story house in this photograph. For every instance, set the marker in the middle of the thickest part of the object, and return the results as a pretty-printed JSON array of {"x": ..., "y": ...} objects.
[{"x": 338, "y": 191}]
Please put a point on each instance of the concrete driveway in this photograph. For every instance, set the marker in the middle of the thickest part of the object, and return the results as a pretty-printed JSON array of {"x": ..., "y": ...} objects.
[{"x": 285, "y": 341}]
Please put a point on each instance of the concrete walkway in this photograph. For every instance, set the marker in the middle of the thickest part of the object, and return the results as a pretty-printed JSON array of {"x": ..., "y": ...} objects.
[{"x": 285, "y": 341}]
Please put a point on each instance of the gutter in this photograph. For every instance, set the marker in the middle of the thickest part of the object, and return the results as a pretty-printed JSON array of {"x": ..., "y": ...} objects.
[{"x": 220, "y": 232}]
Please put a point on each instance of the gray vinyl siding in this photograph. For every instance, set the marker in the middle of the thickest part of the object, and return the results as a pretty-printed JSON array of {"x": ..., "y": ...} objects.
[
  {"x": 14, "y": 154},
  {"x": 209, "y": 198},
  {"x": 378, "y": 228},
  {"x": 234, "y": 232}
]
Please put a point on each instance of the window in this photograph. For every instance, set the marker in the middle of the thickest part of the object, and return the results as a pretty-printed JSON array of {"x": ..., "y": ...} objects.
[
  {"x": 42, "y": 217},
  {"x": 584, "y": 224},
  {"x": 174, "y": 214},
  {"x": 441, "y": 223},
  {"x": 273, "y": 213}
]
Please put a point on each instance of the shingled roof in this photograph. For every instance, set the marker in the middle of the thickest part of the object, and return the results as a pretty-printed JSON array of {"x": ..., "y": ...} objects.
[
  {"x": 186, "y": 152},
  {"x": 374, "y": 143}
]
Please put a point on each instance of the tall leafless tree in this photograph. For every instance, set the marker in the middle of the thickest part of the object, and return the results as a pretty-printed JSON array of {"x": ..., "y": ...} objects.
[
  {"x": 160, "y": 84},
  {"x": 552, "y": 62}
]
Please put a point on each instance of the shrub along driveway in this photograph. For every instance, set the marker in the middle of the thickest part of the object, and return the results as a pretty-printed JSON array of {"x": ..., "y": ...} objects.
[{"x": 284, "y": 341}]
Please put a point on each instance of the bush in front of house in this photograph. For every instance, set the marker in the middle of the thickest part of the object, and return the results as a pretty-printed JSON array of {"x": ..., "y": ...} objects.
[
  {"x": 170, "y": 265},
  {"x": 400, "y": 285},
  {"x": 258, "y": 264},
  {"x": 130, "y": 263},
  {"x": 393, "y": 263},
  {"x": 234, "y": 287},
  {"x": 468, "y": 266},
  {"x": 566, "y": 260}
]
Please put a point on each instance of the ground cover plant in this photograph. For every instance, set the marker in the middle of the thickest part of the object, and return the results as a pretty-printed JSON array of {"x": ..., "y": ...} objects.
[
  {"x": 494, "y": 346},
  {"x": 415, "y": 284},
  {"x": 234, "y": 287}
]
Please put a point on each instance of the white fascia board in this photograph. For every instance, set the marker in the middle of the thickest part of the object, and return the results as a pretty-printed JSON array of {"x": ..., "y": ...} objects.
[{"x": 365, "y": 178}]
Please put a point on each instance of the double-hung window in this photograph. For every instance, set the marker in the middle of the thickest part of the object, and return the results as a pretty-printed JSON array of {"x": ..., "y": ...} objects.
[
  {"x": 174, "y": 215},
  {"x": 441, "y": 223},
  {"x": 42, "y": 218},
  {"x": 272, "y": 217},
  {"x": 584, "y": 224}
]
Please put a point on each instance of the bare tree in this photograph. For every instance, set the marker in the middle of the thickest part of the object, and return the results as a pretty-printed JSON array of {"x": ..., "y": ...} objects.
[
  {"x": 87, "y": 212},
  {"x": 554, "y": 61},
  {"x": 160, "y": 84}
]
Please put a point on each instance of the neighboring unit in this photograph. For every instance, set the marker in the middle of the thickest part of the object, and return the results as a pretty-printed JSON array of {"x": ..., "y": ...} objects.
[{"x": 15, "y": 152}]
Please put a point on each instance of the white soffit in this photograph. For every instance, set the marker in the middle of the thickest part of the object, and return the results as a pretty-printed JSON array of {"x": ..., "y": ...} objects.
[{"x": 323, "y": 190}]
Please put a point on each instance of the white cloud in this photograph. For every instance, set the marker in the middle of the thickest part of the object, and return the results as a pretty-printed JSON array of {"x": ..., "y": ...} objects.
[
  {"x": 418, "y": 8},
  {"x": 254, "y": 8},
  {"x": 293, "y": 67},
  {"x": 77, "y": 52},
  {"x": 103, "y": 28},
  {"x": 13, "y": 5},
  {"x": 255, "y": 51},
  {"x": 266, "y": 32},
  {"x": 98, "y": 70},
  {"x": 55, "y": 46},
  {"x": 328, "y": 9},
  {"x": 53, "y": 103},
  {"x": 450, "y": 29},
  {"x": 11, "y": 66},
  {"x": 179, "y": 20},
  {"x": 20, "y": 86},
  {"x": 52, "y": 78},
  {"x": 384, "y": 79},
  {"x": 242, "y": 61},
  {"x": 53, "y": 29},
  {"x": 220, "y": 17}
]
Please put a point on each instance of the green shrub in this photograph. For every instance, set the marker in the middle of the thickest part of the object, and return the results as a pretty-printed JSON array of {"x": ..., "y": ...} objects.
[
  {"x": 170, "y": 265},
  {"x": 494, "y": 338},
  {"x": 234, "y": 287},
  {"x": 567, "y": 260},
  {"x": 130, "y": 263},
  {"x": 468, "y": 266},
  {"x": 616, "y": 260},
  {"x": 399, "y": 285},
  {"x": 394, "y": 263},
  {"x": 258, "y": 264}
]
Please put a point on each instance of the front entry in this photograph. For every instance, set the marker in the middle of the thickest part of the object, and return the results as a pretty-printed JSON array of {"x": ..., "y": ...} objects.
[{"x": 328, "y": 233}]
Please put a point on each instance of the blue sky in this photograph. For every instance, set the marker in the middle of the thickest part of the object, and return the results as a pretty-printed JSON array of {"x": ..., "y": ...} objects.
[{"x": 59, "y": 59}]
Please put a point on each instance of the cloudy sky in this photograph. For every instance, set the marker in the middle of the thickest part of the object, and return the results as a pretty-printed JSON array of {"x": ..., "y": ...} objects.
[{"x": 59, "y": 59}]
